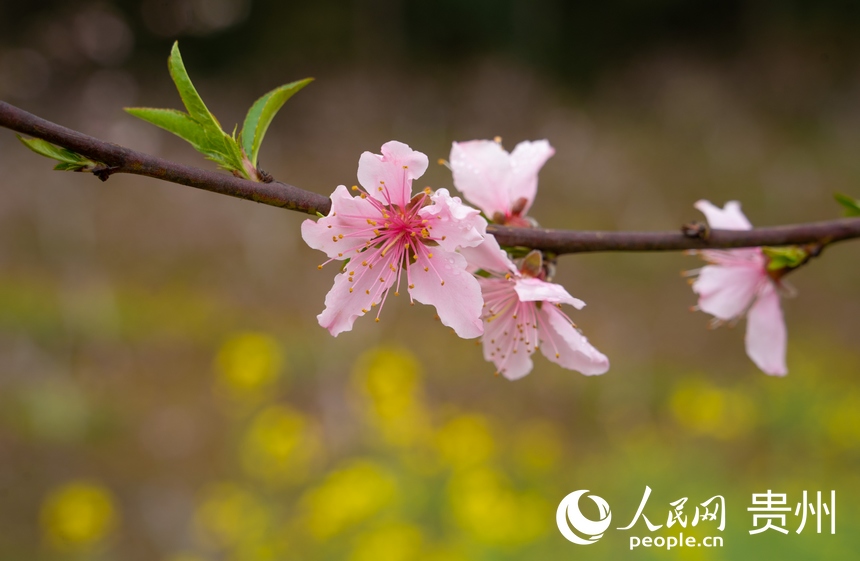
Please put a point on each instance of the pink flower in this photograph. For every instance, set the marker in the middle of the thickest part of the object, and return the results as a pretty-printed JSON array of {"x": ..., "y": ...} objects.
[
  {"x": 500, "y": 184},
  {"x": 522, "y": 313},
  {"x": 737, "y": 283},
  {"x": 387, "y": 235}
]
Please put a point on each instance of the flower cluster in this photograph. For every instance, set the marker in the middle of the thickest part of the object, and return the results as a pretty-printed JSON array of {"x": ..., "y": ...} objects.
[{"x": 439, "y": 248}]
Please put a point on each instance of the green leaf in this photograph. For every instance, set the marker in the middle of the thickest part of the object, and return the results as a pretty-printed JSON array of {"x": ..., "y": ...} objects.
[
  {"x": 852, "y": 206},
  {"x": 785, "y": 257},
  {"x": 69, "y": 161},
  {"x": 219, "y": 146},
  {"x": 190, "y": 98},
  {"x": 179, "y": 123},
  {"x": 69, "y": 166},
  {"x": 260, "y": 116}
]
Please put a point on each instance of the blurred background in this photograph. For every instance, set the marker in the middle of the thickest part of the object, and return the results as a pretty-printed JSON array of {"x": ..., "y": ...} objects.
[{"x": 166, "y": 392}]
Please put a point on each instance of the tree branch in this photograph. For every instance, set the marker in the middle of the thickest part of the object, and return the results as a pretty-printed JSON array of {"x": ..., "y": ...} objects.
[{"x": 118, "y": 159}]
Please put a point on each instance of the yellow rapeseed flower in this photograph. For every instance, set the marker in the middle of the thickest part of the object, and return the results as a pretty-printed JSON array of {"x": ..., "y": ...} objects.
[
  {"x": 228, "y": 514},
  {"x": 248, "y": 364},
  {"x": 78, "y": 514},
  {"x": 279, "y": 445},
  {"x": 392, "y": 542},
  {"x": 465, "y": 441},
  {"x": 487, "y": 507},
  {"x": 347, "y": 496},
  {"x": 709, "y": 410}
]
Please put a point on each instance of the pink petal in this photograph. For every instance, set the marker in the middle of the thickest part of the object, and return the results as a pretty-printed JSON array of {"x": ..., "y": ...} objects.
[
  {"x": 535, "y": 290},
  {"x": 726, "y": 291},
  {"x": 729, "y": 217},
  {"x": 342, "y": 307},
  {"x": 564, "y": 345},
  {"x": 348, "y": 218},
  {"x": 453, "y": 224},
  {"x": 481, "y": 171},
  {"x": 488, "y": 256},
  {"x": 526, "y": 161},
  {"x": 766, "y": 337},
  {"x": 504, "y": 344},
  {"x": 458, "y": 301},
  {"x": 388, "y": 177}
]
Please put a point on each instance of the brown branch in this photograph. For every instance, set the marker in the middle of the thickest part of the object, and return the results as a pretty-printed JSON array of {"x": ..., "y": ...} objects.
[{"x": 118, "y": 159}]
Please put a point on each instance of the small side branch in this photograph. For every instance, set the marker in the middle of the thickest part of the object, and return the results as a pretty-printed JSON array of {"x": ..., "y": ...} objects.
[{"x": 119, "y": 159}]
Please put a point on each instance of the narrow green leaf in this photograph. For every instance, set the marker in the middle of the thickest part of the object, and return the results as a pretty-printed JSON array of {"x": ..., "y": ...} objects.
[
  {"x": 852, "y": 206},
  {"x": 179, "y": 123},
  {"x": 260, "y": 116},
  {"x": 213, "y": 144},
  {"x": 68, "y": 160},
  {"x": 190, "y": 98},
  {"x": 45, "y": 148},
  {"x": 70, "y": 166},
  {"x": 785, "y": 257}
]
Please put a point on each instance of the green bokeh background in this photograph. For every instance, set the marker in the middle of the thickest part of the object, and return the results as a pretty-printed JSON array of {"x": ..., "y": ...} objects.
[{"x": 166, "y": 392}]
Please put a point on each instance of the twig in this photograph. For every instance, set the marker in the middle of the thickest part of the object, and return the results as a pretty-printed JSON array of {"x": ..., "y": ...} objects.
[{"x": 118, "y": 159}]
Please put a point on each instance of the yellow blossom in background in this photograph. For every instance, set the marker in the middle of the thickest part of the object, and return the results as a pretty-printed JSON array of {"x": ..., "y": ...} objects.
[
  {"x": 389, "y": 381},
  {"x": 186, "y": 557},
  {"x": 465, "y": 441},
  {"x": 228, "y": 515},
  {"x": 843, "y": 421},
  {"x": 248, "y": 365},
  {"x": 348, "y": 496},
  {"x": 708, "y": 410},
  {"x": 77, "y": 515},
  {"x": 537, "y": 446},
  {"x": 488, "y": 508},
  {"x": 392, "y": 542},
  {"x": 442, "y": 553},
  {"x": 279, "y": 446}
]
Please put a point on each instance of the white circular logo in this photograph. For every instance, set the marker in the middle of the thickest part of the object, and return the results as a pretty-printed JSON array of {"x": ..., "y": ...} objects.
[{"x": 568, "y": 510}]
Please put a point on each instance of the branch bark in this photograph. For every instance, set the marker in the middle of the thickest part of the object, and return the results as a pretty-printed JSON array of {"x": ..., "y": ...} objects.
[{"x": 119, "y": 159}]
